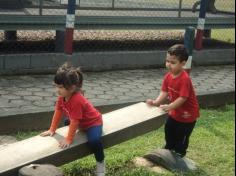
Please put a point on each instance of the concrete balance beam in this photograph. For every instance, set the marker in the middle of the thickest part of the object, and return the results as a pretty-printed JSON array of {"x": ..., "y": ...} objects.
[{"x": 119, "y": 126}]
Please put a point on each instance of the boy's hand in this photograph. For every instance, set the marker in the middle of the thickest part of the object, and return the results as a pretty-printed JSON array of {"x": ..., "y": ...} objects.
[
  {"x": 64, "y": 144},
  {"x": 150, "y": 102},
  {"x": 165, "y": 107},
  {"x": 47, "y": 133}
]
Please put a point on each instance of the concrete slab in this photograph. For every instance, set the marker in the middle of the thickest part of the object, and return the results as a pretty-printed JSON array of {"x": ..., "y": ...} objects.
[
  {"x": 14, "y": 63},
  {"x": 104, "y": 61},
  {"x": 119, "y": 126}
]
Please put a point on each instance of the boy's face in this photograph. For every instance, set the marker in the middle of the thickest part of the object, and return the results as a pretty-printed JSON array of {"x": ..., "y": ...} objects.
[{"x": 173, "y": 64}]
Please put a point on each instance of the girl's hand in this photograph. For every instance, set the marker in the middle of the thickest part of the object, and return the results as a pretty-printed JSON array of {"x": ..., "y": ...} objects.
[
  {"x": 165, "y": 107},
  {"x": 63, "y": 144},
  {"x": 150, "y": 102},
  {"x": 47, "y": 133}
]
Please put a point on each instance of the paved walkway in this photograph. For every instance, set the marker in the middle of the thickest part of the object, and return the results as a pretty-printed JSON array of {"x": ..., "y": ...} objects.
[{"x": 19, "y": 94}]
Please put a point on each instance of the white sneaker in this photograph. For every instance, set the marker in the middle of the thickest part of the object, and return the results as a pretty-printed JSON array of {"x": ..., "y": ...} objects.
[{"x": 100, "y": 169}]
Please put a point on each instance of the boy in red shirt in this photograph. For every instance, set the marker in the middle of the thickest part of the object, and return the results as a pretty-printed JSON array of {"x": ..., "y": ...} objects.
[
  {"x": 80, "y": 112},
  {"x": 183, "y": 106}
]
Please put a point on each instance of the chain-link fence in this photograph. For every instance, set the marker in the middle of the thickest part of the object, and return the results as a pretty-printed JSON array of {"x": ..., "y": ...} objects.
[{"x": 128, "y": 28}]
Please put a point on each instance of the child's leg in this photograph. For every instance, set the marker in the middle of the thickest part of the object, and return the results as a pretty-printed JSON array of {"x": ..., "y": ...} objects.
[
  {"x": 94, "y": 141},
  {"x": 182, "y": 138},
  {"x": 170, "y": 133}
]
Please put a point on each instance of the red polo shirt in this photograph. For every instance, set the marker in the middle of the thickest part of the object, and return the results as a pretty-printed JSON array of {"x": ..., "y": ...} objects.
[{"x": 181, "y": 86}]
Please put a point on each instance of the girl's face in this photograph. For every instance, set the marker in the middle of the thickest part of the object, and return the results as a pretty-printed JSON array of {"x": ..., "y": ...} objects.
[
  {"x": 62, "y": 91},
  {"x": 173, "y": 64}
]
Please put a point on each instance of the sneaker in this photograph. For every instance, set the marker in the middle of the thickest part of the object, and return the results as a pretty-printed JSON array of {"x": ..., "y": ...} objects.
[{"x": 100, "y": 169}]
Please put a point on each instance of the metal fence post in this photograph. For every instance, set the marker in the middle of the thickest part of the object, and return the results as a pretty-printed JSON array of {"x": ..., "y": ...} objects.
[
  {"x": 189, "y": 44},
  {"x": 180, "y": 8},
  {"x": 70, "y": 23},
  {"x": 201, "y": 25},
  {"x": 113, "y": 4},
  {"x": 40, "y": 7}
]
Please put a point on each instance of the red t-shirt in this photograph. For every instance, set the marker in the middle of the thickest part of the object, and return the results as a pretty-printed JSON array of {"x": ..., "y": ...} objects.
[
  {"x": 80, "y": 109},
  {"x": 181, "y": 86}
]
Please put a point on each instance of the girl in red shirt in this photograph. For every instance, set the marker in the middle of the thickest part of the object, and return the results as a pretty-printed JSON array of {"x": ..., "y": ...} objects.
[
  {"x": 79, "y": 111},
  {"x": 183, "y": 108}
]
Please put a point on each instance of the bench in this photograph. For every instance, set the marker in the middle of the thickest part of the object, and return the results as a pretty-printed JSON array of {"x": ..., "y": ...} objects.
[{"x": 119, "y": 126}]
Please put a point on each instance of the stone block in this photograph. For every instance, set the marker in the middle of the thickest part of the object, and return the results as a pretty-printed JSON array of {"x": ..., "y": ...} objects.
[
  {"x": 40, "y": 170},
  {"x": 170, "y": 160}
]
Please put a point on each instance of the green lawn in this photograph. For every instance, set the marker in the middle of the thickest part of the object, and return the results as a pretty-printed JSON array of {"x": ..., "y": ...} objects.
[
  {"x": 212, "y": 147},
  {"x": 227, "y": 35}
]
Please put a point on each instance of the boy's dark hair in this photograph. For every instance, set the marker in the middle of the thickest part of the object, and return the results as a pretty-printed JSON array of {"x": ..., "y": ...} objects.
[
  {"x": 67, "y": 75},
  {"x": 179, "y": 51}
]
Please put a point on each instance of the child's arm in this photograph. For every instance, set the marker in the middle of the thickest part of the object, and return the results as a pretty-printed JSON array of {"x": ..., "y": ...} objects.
[
  {"x": 55, "y": 121},
  {"x": 159, "y": 100},
  {"x": 174, "y": 105},
  {"x": 71, "y": 134}
]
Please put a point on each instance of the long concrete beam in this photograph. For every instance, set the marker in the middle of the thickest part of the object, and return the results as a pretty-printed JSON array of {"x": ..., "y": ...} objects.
[{"x": 119, "y": 126}]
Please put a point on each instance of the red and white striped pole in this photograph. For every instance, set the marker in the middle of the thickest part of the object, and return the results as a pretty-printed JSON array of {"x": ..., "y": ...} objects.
[
  {"x": 189, "y": 43},
  {"x": 70, "y": 23},
  {"x": 201, "y": 25}
]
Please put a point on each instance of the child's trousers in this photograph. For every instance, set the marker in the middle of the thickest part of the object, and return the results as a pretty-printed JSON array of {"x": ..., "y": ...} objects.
[
  {"x": 177, "y": 135},
  {"x": 94, "y": 141},
  {"x": 94, "y": 135}
]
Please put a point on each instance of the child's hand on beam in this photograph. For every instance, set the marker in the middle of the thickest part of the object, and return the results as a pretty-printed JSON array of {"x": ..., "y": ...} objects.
[
  {"x": 64, "y": 144},
  {"x": 47, "y": 133}
]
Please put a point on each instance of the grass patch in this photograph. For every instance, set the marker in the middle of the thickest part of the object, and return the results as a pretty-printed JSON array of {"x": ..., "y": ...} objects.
[
  {"x": 227, "y": 35},
  {"x": 212, "y": 146},
  {"x": 26, "y": 134}
]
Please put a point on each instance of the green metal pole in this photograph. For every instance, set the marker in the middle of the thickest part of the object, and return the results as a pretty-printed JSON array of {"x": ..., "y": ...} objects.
[
  {"x": 189, "y": 45},
  {"x": 180, "y": 8}
]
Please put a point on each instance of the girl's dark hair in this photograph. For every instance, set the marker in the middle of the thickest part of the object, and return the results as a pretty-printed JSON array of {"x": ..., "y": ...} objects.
[
  {"x": 179, "y": 51},
  {"x": 67, "y": 75}
]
